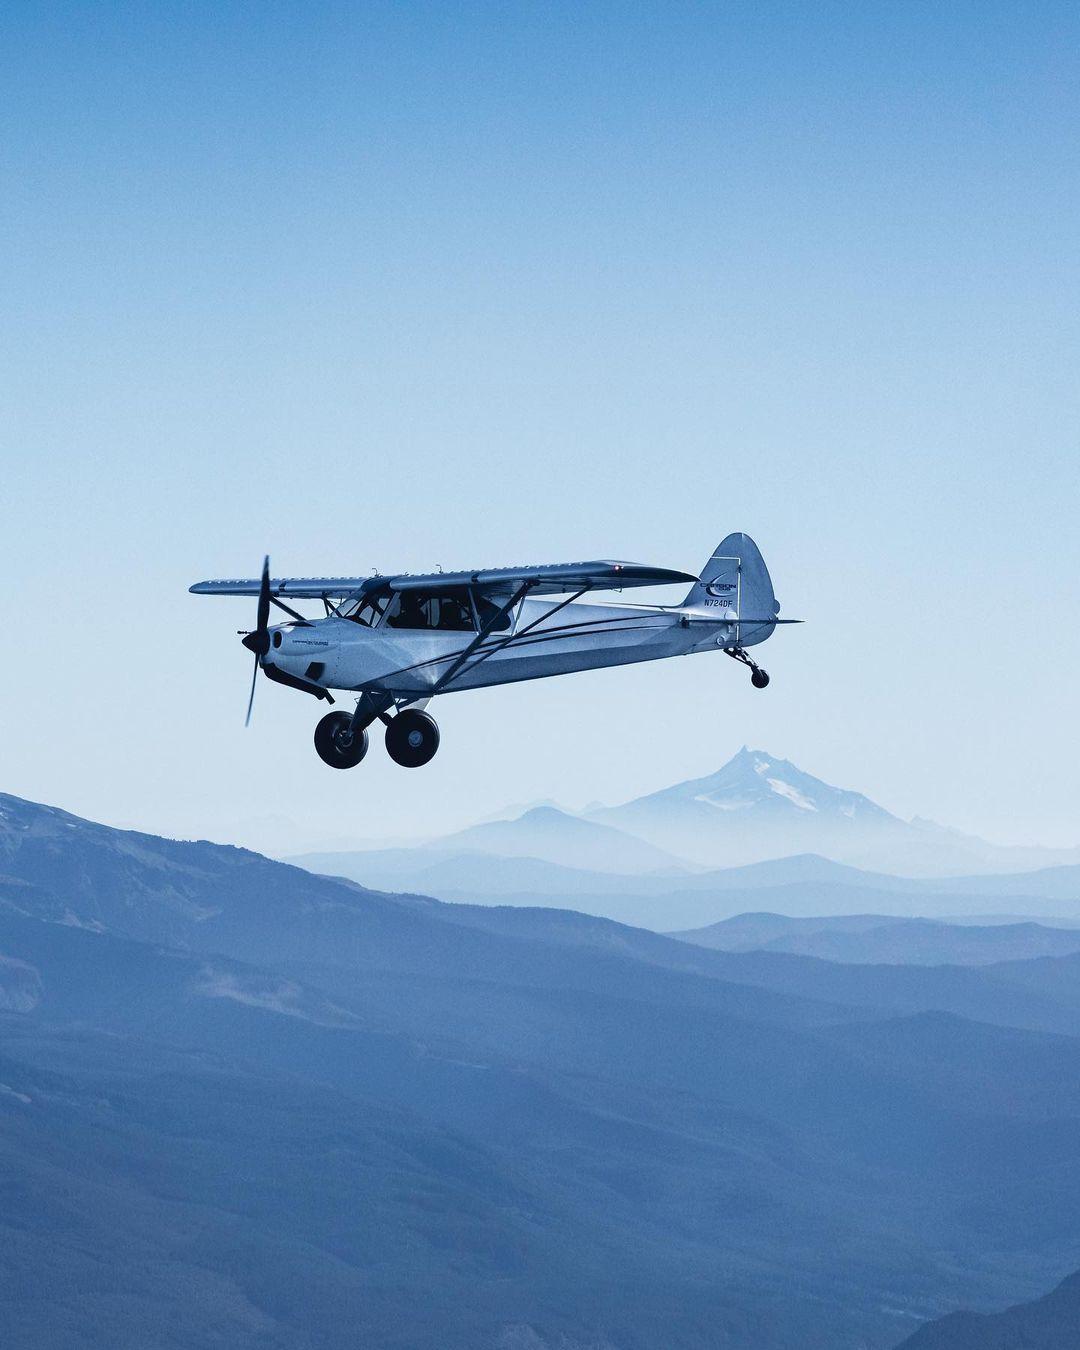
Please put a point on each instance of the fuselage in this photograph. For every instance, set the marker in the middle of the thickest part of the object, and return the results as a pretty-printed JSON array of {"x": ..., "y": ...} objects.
[{"x": 542, "y": 639}]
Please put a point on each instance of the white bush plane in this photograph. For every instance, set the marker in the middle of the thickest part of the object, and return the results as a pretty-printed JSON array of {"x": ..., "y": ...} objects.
[{"x": 398, "y": 641}]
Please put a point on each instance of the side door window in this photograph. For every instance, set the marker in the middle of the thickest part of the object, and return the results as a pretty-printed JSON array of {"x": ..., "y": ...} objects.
[
  {"x": 487, "y": 606},
  {"x": 431, "y": 611}
]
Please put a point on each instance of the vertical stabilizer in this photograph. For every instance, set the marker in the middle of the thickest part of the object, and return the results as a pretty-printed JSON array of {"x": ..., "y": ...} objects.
[{"x": 736, "y": 581}]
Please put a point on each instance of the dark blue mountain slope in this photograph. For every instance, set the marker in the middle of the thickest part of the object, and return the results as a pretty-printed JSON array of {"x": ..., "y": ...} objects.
[
  {"x": 1048, "y": 1323},
  {"x": 243, "y": 1106},
  {"x": 205, "y": 897}
]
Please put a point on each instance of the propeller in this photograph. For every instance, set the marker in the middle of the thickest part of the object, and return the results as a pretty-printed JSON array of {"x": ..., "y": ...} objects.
[{"x": 258, "y": 640}]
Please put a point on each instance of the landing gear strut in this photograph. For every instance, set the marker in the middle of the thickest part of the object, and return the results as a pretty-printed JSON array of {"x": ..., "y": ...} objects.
[{"x": 758, "y": 678}]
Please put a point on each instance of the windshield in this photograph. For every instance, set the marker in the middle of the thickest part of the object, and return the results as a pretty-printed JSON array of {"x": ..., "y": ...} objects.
[{"x": 368, "y": 610}]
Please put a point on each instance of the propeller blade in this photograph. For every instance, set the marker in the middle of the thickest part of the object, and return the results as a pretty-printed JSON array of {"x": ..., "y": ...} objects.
[
  {"x": 251, "y": 696},
  {"x": 258, "y": 640},
  {"x": 263, "y": 613}
]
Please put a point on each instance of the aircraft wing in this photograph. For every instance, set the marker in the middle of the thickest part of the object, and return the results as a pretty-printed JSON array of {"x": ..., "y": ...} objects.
[
  {"x": 312, "y": 588},
  {"x": 542, "y": 579},
  {"x": 548, "y": 578}
]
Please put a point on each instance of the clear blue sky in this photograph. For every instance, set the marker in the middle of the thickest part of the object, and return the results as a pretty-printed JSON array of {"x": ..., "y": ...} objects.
[{"x": 403, "y": 285}]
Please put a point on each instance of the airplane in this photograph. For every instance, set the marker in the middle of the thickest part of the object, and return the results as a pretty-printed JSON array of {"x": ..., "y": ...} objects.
[{"x": 400, "y": 641}]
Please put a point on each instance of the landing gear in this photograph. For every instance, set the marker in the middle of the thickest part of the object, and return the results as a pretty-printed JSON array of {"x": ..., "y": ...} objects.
[
  {"x": 412, "y": 737},
  {"x": 337, "y": 743},
  {"x": 341, "y": 738},
  {"x": 758, "y": 678}
]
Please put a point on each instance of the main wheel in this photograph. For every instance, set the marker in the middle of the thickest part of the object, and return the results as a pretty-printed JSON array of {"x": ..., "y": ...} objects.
[
  {"x": 337, "y": 744},
  {"x": 759, "y": 678},
  {"x": 412, "y": 738}
]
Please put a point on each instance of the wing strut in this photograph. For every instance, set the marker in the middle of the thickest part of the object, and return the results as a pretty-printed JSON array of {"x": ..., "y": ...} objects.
[
  {"x": 291, "y": 612},
  {"x": 501, "y": 613}
]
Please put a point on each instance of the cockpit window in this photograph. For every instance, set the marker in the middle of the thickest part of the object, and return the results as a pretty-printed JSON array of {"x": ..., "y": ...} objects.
[
  {"x": 368, "y": 610},
  {"x": 443, "y": 611}
]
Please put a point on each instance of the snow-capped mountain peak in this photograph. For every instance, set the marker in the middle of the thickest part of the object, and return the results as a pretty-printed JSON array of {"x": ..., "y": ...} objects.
[
  {"x": 754, "y": 778},
  {"x": 757, "y": 805}
]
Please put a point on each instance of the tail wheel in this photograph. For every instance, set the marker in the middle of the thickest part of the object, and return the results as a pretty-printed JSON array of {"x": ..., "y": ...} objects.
[
  {"x": 336, "y": 742},
  {"x": 412, "y": 738},
  {"x": 759, "y": 678}
]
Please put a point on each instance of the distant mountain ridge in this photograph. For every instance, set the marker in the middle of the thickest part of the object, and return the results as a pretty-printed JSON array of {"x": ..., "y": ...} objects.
[
  {"x": 873, "y": 939},
  {"x": 656, "y": 860},
  {"x": 804, "y": 886},
  {"x": 556, "y": 836}
]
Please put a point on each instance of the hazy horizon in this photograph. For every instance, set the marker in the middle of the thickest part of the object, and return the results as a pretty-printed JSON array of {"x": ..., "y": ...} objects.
[{"x": 282, "y": 837}]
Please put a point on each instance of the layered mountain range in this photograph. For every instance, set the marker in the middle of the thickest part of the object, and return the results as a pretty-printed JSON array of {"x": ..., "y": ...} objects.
[
  {"x": 759, "y": 834},
  {"x": 244, "y": 1104}
]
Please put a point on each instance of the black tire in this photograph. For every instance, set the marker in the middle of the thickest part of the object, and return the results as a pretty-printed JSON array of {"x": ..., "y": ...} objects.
[
  {"x": 759, "y": 678},
  {"x": 412, "y": 738},
  {"x": 335, "y": 743}
]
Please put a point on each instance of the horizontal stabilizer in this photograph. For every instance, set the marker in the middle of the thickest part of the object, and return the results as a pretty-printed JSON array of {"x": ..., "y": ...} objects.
[{"x": 712, "y": 616}]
